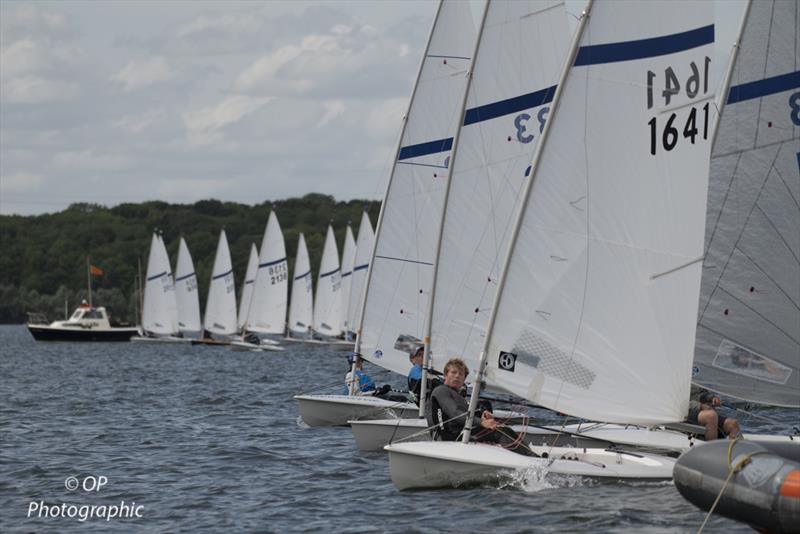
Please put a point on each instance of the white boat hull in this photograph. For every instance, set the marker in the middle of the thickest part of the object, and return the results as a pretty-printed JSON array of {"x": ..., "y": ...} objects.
[
  {"x": 165, "y": 339},
  {"x": 243, "y": 345},
  {"x": 442, "y": 464},
  {"x": 337, "y": 410},
  {"x": 374, "y": 434}
]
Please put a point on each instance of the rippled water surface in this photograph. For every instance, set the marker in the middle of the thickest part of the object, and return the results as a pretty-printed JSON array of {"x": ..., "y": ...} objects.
[{"x": 209, "y": 439}]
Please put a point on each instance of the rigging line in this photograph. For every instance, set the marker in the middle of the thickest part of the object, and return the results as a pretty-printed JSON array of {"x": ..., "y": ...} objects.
[
  {"x": 741, "y": 232},
  {"x": 788, "y": 297},
  {"x": 755, "y": 415},
  {"x": 757, "y": 314},
  {"x": 778, "y": 232},
  {"x": 716, "y": 222}
]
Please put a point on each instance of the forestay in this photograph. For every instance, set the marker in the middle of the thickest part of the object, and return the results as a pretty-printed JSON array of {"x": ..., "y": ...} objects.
[
  {"x": 247, "y": 286},
  {"x": 302, "y": 307},
  {"x": 186, "y": 296},
  {"x": 364, "y": 245},
  {"x": 597, "y": 305},
  {"x": 748, "y": 335},
  {"x": 160, "y": 313},
  {"x": 348, "y": 261},
  {"x": 328, "y": 306},
  {"x": 400, "y": 277},
  {"x": 271, "y": 288},
  {"x": 221, "y": 303},
  {"x": 522, "y": 50}
]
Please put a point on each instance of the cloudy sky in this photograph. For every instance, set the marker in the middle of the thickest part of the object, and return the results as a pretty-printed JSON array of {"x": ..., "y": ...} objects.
[
  {"x": 247, "y": 101},
  {"x": 113, "y": 102}
]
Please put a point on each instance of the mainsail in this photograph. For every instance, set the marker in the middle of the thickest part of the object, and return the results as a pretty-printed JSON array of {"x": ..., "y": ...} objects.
[
  {"x": 186, "y": 295},
  {"x": 748, "y": 332},
  {"x": 247, "y": 286},
  {"x": 401, "y": 273},
  {"x": 220, "y": 315},
  {"x": 502, "y": 126},
  {"x": 301, "y": 311},
  {"x": 160, "y": 313},
  {"x": 364, "y": 246},
  {"x": 348, "y": 261},
  {"x": 328, "y": 306},
  {"x": 270, "y": 290},
  {"x": 596, "y": 309}
]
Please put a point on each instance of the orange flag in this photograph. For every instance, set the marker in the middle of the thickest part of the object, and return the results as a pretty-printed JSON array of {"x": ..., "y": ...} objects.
[{"x": 97, "y": 271}]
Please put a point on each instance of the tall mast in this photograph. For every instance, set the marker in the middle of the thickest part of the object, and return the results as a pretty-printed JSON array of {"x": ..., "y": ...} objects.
[
  {"x": 476, "y": 386},
  {"x": 89, "y": 279},
  {"x": 357, "y": 348},
  {"x": 429, "y": 318}
]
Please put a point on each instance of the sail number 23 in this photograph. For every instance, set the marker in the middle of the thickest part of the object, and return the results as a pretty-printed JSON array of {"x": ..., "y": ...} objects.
[{"x": 669, "y": 131}]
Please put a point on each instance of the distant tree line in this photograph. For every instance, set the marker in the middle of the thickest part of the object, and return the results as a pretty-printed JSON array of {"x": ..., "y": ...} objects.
[{"x": 43, "y": 260}]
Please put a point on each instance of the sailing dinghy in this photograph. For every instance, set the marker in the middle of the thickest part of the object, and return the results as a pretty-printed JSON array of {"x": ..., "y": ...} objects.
[
  {"x": 604, "y": 257},
  {"x": 301, "y": 311},
  {"x": 186, "y": 296},
  {"x": 160, "y": 309},
  {"x": 364, "y": 245},
  {"x": 266, "y": 314},
  {"x": 219, "y": 323},
  {"x": 748, "y": 333},
  {"x": 401, "y": 266}
]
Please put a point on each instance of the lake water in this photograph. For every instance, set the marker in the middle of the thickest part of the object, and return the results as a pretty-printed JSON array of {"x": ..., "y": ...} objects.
[{"x": 206, "y": 439}]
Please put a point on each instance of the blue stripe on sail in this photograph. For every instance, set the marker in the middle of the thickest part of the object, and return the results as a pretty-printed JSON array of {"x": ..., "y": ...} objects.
[
  {"x": 302, "y": 275},
  {"x": 323, "y": 275},
  {"x": 644, "y": 48},
  {"x": 424, "y": 149},
  {"x": 404, "y": 259},
  {"x": 156, "y": 277},
  {"x": 222, "y": 275},
  {"x": 347, "y": 274},
  {"x": 270, "y": 263},
  {"x": 508, "y": 106},
  {"x": 184, "y": 277},
  {"x": 765, "y": 87},
  {"x": 359, "y": 267}
]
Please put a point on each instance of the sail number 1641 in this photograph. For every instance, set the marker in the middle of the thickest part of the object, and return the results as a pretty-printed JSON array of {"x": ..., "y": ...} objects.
[{"x": 667, "y": 133}]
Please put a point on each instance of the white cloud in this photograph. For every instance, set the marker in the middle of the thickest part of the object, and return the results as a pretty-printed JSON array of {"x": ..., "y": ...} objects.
[
  {"x": 88, "y": 160},
  {"x": 139, "y": 74},
  {"x": 191, "y": 190},
  {"x": 385, "y": 118},
  {"x": 139, "y": 122},
  {"x": 20, "y": 182},
  {"x": 333, "y": 109},
  {"x": 34, "y": 90},
  {"x": 203, "y": 126}
]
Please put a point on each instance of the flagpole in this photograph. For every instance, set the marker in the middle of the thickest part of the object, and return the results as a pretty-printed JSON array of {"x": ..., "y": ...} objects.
[{"x": 89, "y": 280}]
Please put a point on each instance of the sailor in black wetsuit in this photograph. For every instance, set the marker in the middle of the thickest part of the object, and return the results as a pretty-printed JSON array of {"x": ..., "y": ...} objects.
[{"x": 447, "y": 413}]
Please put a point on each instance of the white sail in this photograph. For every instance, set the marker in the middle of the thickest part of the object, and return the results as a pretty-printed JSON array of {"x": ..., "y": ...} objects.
[
  {"x": 328, "y": 304},
  {"x": 186, "y": 294},
  {"x": 268, "y": 306},
  {"x": 301, "y": 311},
  {"x": 492, "y": 159},
  {"x": 159, "y": 313},
  {"x": 221, "y": 303},
  {"x": 748, "y": 333},
  {"x": 596, "y": 309},
  {"x": 348, "y": 261},
  {"x": 247, "y": 286},
  {"x": 364, "y": 245},
  {"x": 401, "y": 273}
]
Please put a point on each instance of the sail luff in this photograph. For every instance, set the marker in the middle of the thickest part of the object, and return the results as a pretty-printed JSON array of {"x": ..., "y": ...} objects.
[
  {"x": 440, "y": 226},
  {"x": 381, "y": 213}
]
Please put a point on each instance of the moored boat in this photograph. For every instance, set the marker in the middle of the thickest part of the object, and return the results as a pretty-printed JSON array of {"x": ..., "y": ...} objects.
[{"x": 86, "y": 324}]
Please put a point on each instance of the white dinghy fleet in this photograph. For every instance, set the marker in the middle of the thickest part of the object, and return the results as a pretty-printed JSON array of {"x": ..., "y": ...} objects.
[{"x": 567, "y": 270}]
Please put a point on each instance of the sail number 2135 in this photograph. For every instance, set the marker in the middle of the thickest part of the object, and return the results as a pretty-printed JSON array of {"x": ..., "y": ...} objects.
[{"x": 668, "y": 132}]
